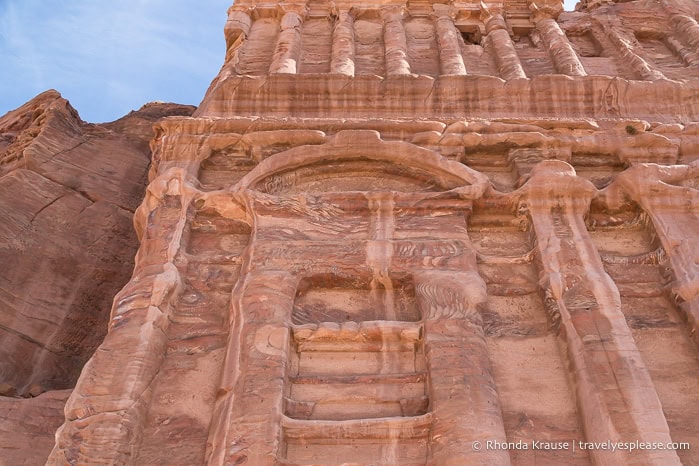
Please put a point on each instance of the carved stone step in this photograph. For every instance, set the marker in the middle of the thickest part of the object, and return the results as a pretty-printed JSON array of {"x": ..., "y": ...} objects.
[
  {"x": 352, "y": 397},
  {"x": 414, "y": 427},
  {"x": 356, "y": 406},
  {"x": 376, "y": 335},
  {"x": 384, "y": 441},
  {"x": 360, "y": 379}
]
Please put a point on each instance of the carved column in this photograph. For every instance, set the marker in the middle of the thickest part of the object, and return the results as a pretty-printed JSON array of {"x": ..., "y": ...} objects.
[
  {"x": 674, "y": 210},
  {"x": 688, "y": 54},
  {"x": 462, "y": 393},
  {"x": 686, "y": 28},
  {"x": 236, "y": 31},
  {"x": 106, "y": 411},
  {"x": 342, "y": 61},
  {"x": 615, "y": 395},
  {"x": 288, "y": 49},
  {"x": 247, "y": 425},
  {"x": 395, "y": 42},
  {"x": 237, "y": 26},
  {"x": 561, "y": 52},
  {"x": 451, "y": 62},
  {"x": 628, "y": 49},
  {"x": 505, "y": 54}
]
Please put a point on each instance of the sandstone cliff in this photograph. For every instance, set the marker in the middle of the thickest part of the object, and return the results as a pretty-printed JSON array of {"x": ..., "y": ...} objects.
[{"x": 68, "y": 190}]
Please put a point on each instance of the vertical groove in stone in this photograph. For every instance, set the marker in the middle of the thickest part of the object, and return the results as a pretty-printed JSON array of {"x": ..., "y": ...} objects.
[
  {"x": 616, "y": 396},
  {"x": 342, "y": 61},
  {"x": 451, "y": 62},
  {"x": 505, "y": 54},
  {"x": 395, "y": 41},
  {"x": 288, "y": 48}
]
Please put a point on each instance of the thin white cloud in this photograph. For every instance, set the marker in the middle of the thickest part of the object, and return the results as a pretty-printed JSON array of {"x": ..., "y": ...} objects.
[
  {"x": 19, "y": 48},
  {"x": 110, "y": 57}
]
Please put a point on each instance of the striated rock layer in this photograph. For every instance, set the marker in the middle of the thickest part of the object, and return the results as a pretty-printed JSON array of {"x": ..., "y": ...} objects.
[
  {"x": 28, "y": 427},
  {"x": 67, "y": 195},
  {"x": 415, "y": 234}
]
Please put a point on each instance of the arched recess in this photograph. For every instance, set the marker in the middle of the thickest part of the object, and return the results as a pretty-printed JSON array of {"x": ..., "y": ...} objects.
[{"x": 359, "y": 160}]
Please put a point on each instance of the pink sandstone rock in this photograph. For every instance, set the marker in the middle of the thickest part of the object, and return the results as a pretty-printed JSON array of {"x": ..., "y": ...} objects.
[
  {"x": 415, "y": 234},
  {"x": 27, "y": 427},
  {"x": 68, "y": 190},
  {"x": 67, "y": 193}
]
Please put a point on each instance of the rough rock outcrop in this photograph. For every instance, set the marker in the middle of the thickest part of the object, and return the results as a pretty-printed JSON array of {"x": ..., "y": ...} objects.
[
  {"x": 67, "y": 195},
  {"x": 28, "y": 427}
]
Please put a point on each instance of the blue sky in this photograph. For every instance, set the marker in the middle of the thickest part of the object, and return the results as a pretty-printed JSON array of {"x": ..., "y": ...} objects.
[{"x": 110, "y": 57}]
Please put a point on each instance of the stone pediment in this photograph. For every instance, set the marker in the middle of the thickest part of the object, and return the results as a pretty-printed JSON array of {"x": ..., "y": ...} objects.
[{"x": 361, "y": 161}]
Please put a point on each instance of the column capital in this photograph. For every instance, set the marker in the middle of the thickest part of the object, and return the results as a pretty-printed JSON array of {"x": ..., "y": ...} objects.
[
  {"x": 247, "y": 9},
  {"x": 651, "y": 184},
  {"x": 545, "y": 9},
  {"x": 491, "y": 10},
  {"x": 492, "y": 17},
  {"x": 238, "y": 23},
  {"x": 440, "y": 11},
  {"x": 553, "y": 180},
  {"x": 300, "y": 9},
  {"x": 393, "y": 13}
]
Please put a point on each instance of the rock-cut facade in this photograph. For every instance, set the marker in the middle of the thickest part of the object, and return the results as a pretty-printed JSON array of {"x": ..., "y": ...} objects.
[{"x": 422, "y": 233}]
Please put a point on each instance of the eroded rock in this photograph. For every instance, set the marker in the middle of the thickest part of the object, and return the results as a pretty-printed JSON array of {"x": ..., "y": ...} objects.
[
  {"x": 393, "y": 230},
  {"x": 67, "y": 194}
]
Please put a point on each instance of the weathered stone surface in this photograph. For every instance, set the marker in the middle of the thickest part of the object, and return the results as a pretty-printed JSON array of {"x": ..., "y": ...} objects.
[
  {"x": 342, "y": 239},
  {"x": 27, "y": 427},
  {"x": 395, "y": 229},
  {"x": 625, "y": 60},
  {"x": 67, "y": 193}
]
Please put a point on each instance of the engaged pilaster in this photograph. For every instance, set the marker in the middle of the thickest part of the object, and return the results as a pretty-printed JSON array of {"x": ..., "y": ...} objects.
[
  {"x": 615, "y": 394},
  {"x": 561, "y": 52},
  {"x": 105, "y": 412},
  {"x": 463, "y": 396},
  {"x": 288, "y": 48},
  {"x": 343, "y": 48},
  {"x": 395, "y": 41},
  {"x": 451, "y": 62},
  {"x": 247, "y": 425},
  {"x": 506, "y": 57}
]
